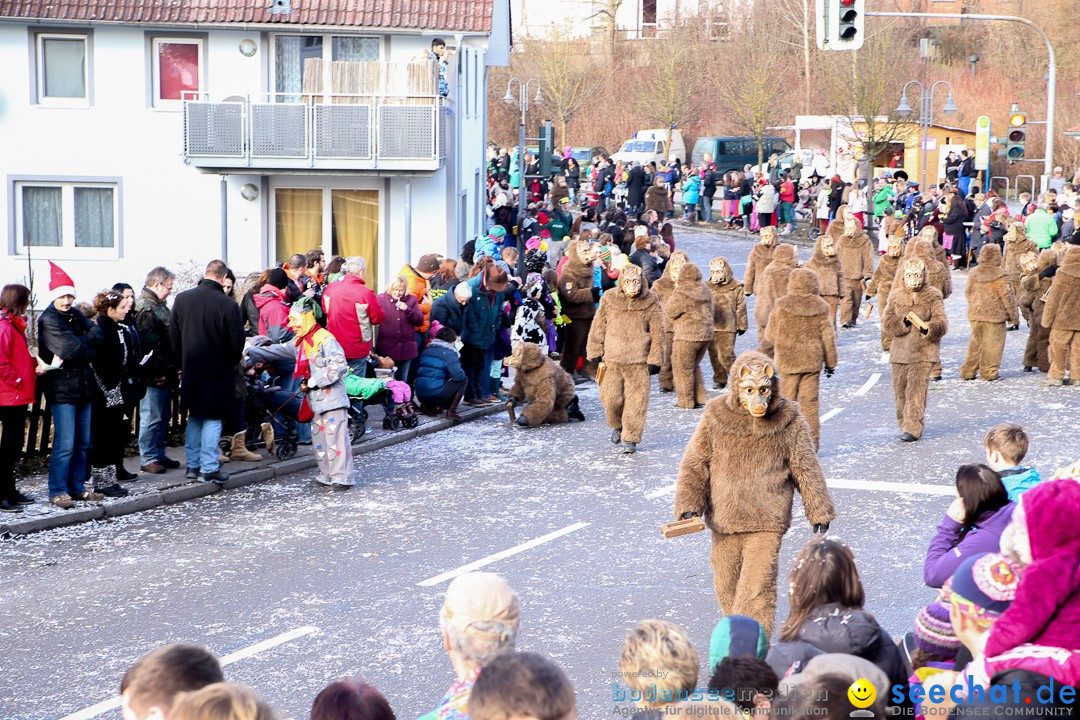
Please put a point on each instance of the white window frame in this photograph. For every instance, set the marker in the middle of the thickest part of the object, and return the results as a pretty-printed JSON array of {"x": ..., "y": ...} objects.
[
  {"x": 328, "y": 56},
  {"x": 155, "y": 70},
  {"x": 66, "y": 250},
  {"x": 39, "y": 57}
]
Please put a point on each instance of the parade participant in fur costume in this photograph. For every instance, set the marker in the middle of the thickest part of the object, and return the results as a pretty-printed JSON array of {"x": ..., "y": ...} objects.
[
  {"x": 1034, "y": 287},
  {"x": 857, "y": 261},
  {"x": 991, "y": 306},
  {"x": 1061, "y": 315},
  {"x": 937, "y": 276},
  {"x": 930, "y": 235},
  {"x": 689, "y": 311},
  {"x": 664, "y": 288},
  {"x": 579, "y": 295},
  {"x": 915, "y": 350},
  {"x": 751, "y": 450},
  {"x": 826, "y": 263},
  {"x": 729, "y": 318},
  {"x": 805, "y": 341},
  {"x": 1016, "y": 244},
  {"x": 760, "y": 257},
  {"x": 321, "y": 367},
  {"x": 882, "y": 282},
  {"x": 771, "y": 286},
  {"x": 545, "y": 387},
  {"x": 628, "y": 337}
]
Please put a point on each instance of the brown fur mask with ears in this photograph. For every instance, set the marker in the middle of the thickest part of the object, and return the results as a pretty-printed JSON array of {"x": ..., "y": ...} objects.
[
  {"x": 1016, "y": 232},
  {"x": 584, "y": 251},
  {"x": 852, "y": 226},
  {"x": 675, "y": 263},
  {"x": 828, "y": 246},
  {"x": 719, "y": 271},
  {"x": 914, "y": 274},
  {"x": 1028, "y": 263},
  {"x": 929, "y": 234},
  {"x": 896, "y": 246},
  {"x": 769, "y": 236},
  {"x": 756, "y": 385},
  {"x": 631, "y": 281}
]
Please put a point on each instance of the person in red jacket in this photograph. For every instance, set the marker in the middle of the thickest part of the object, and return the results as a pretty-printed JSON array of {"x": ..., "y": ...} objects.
[
  {"x": 18, "y": 379},
  {"x": 273, "y": 307},
  {"x": 352, "y": 312}
]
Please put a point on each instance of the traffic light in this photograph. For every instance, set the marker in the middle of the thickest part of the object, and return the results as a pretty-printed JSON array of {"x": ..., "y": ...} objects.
[
  {"x": 1014, "y": 147},
  {"x": 547, "y": 145},
  {"x": 840, "y": 24}
]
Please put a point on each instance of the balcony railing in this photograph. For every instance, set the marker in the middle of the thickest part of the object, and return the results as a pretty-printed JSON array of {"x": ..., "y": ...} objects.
[{"x": 320, "y": 132}]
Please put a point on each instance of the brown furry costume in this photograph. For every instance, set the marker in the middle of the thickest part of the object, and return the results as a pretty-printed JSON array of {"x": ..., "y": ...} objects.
[
  {"x": 881, "y": 285},
  {"x": 930, "y": 235},
  {"x": 690, "y": 312},
  {"x": 805, "y": 340},
  {"x": 1062, "y": 315},
  {"x": 664, "y": 287},
  {"x": 628, "y": 334},
  {"x": 761, "y": 255},
  {"x": 542, "y": 384},
  {"x": 1037, "y": 351},
  {"x": 857, "y": 260},
  {"x": 578, "y": 303},
  {"x": 829, "y": 273},
  {"x": 913, "y": 354},
  {"x": 740, "y": 472},
  {"x": 937, "y": 276},
  {"x": 729, "y": 318},
  {"x": 771, "y": 286},
  {"x": 1016, "y": 244},
  {"x": 991, "y": 306}
]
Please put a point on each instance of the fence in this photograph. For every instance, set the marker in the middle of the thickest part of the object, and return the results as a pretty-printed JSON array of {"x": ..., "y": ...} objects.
[{"x": 39, "y": 425}]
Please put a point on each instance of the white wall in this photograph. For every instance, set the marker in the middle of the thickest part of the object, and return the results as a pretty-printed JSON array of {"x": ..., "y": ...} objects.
[{"x": 573, "y": 18}]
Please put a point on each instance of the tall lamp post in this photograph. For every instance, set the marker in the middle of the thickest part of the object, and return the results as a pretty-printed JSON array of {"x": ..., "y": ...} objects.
[
  {"x": 926, "y": 112},
  {"x": 523, "y": 103}
]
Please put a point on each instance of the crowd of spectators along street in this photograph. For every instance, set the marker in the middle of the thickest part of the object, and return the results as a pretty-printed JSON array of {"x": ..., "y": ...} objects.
[{"x": 1002, "y": 575}]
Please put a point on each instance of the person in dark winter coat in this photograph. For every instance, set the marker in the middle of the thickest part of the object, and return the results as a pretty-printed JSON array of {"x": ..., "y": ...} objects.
[
  {"x": 627, "y": 335},
  {"x": 826, "y": 609},
  {"x": 690, "y": 313},
  {"x": 656, "y": 197},
  {"x": 912, "y": 305},
  {"x": 804, "y": 340},
  {"x": 397, "y": 333},
  {"x": 440, "y": 379},
  {"x": 64, "y": 339},
  {"x": 991, "y": 308},
  {"x": 643, "y": 258},
  {"x": 729, "y": 318},
  {"x": 1061, "y": 315},
  {"x": 749, "y": 454},
  {"x": 483, "y": 318},
  {"x": 449, "y": 310},
  {"x": 973, "y": 523},
  {"x": 152, "y": 319},
  {"x": 207, "y": 333},
  {"x": 635, "y": 189}
]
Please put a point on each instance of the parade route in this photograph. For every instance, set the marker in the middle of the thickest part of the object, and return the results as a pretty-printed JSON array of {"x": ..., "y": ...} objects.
[{"x": 294, "y": 586}]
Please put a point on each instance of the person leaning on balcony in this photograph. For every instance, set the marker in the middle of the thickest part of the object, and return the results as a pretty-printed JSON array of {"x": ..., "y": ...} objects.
[
  {"x": 18, "y": 379},
  {"x": 352, "y": 314}
]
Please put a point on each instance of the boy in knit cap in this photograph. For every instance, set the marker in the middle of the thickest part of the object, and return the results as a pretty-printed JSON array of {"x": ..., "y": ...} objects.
[{"x": 737, "y": 636}]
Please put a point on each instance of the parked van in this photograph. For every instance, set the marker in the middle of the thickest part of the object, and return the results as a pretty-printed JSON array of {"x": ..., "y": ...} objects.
[
  {"x": 653, "y": 146},
  {"x": 735, "y": 153}
]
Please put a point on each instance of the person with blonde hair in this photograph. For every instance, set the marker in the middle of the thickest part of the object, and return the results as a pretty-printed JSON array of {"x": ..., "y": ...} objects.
[
  {"x": 659, "y": 663},
  {"x": 221, "y": 701}
]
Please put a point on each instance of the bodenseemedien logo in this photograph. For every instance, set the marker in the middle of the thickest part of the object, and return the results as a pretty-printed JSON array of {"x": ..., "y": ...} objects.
[{"x": 862, "y": 694}]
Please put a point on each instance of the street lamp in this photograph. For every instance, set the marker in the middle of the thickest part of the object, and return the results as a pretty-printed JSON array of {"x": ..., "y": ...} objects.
[
  {"x": 523, "y": 103},
  {"x": 926, "y": 111}
]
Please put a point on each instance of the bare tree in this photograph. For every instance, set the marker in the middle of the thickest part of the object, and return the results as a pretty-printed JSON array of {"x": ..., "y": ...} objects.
[
  {"x": 606, "y": 12},
  {"x": 753, "y": 82},
  {"x": 795, "y": 26},
  {"x": 569, "y": 79},
  {"x": 668, "y": 90}
]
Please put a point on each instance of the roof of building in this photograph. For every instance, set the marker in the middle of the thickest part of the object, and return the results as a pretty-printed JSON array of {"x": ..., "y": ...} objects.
[{"x": 473, "y": 16}]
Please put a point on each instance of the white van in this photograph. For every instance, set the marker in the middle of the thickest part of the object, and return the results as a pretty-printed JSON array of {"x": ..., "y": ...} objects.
[{"x": 659, "y": 146}]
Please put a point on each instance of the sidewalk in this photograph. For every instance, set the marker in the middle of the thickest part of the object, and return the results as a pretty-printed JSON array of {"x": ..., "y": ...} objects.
[
  {"x": 798, "y": 238},
  {"x": 150, "y": 491}
]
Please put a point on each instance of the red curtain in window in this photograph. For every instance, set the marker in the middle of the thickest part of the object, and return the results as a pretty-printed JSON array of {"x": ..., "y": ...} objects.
[{"x": 178, "y": 65}]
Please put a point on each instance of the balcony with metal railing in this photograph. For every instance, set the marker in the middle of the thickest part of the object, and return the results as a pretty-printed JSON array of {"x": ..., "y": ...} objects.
[{"x": 380, "y": 132}]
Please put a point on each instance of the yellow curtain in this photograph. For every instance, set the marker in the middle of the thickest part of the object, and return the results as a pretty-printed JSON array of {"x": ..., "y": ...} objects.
[
  {"x": 299, "y": 221},
  {"x": 356, "y": 228}
]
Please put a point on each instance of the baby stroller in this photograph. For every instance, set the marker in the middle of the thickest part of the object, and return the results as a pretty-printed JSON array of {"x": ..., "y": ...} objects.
[
  {"x": 395, "y": 398},
  {"x": 271, "y": 406}
]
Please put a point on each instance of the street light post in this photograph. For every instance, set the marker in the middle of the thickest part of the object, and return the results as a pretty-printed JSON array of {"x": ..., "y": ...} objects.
[
  {"x": 926, "y": 113},
  {"x": 523, "y": 102}
]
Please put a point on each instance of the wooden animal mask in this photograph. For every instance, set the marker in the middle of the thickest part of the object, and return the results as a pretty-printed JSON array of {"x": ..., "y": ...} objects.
[
  {"x": 768, "y": 236},
  {"x": 1028, "y": 262},
  {"x": 828, "y": 245},
  {"x": 1016, "y": 233},
  {"x": 755, "y": 388},
  {"x": 896, "y": 246},
  {"x": 719, "y": 271},
  {"x": 852, "y": 226},
  {"x": 928, "y": 233},
  {"x": 630, "y": 280},
  {"x": 914, "y": 274},
  {"x": 585, "y": 251},
  {"x": 675, "y": 263}
]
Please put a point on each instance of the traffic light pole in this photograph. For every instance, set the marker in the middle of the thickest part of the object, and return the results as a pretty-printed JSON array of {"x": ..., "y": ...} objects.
[{"x": 1051, "y": 83}]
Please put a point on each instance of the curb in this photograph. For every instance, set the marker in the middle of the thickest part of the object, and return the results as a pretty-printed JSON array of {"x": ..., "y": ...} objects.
[
  {"x": 737, "y": 235},
  {"x": 191, "y": 490}
]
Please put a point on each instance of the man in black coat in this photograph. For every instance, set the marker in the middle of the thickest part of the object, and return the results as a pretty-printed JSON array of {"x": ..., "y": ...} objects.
[
  {"x": 635, "y": 190},
  {"x": 208, "y": 336}
]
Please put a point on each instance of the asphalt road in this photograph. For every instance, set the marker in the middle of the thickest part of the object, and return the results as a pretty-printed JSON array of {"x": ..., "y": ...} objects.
[{"x": 297, "y": 587}]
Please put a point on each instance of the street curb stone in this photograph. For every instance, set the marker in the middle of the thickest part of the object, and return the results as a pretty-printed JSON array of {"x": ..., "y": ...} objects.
[{"x": 182, "y": 491}]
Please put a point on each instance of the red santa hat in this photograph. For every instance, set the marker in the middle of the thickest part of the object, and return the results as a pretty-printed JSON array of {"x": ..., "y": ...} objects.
[{"x": 60, "y": 283}]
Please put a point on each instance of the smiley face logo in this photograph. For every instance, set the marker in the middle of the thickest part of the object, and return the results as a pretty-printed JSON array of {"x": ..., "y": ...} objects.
[{"x": 862, "y": 693}]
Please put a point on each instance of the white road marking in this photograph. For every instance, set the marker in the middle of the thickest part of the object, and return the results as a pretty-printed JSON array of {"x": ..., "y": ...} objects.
[
  {"x": 242, "y": 654},
  {"x": 868, "y": 384},
  {"x": 450, "y": 575},
  {"x": 831, "y": 414},
  {"x": 897, "y": 487}
]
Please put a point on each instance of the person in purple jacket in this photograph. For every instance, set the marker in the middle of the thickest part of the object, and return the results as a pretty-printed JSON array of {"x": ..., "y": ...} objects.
[{"x": 972, "y": 524}]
